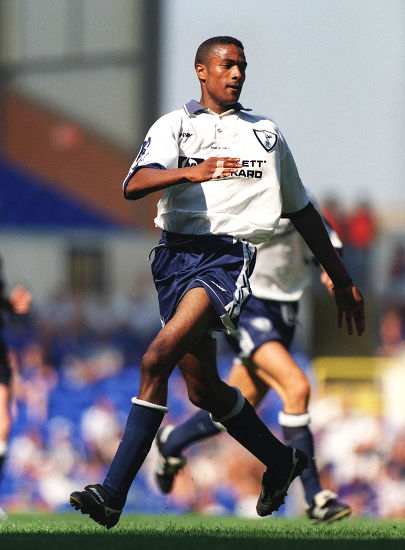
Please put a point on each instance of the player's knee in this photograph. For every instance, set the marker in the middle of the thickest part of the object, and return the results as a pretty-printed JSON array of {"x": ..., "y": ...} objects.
[
  {"x": 303, "y": 389},
  {"x": 200, "y": 397},
  {"x": 154, "y": 366},
  {"x": 297, "y": 395}
]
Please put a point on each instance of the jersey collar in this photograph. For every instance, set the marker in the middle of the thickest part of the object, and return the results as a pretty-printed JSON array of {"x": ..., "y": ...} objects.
[{"x": 193, "y": 107}]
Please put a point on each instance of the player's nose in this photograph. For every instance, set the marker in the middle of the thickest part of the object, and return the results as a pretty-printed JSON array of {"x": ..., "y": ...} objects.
[{"x": 236, "y": 72}]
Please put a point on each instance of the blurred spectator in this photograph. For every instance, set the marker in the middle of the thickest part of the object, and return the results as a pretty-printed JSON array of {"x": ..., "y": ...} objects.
[
  {"x": 391, "y": 481},
  {"x": 98, "y": 365},
  {"x": 58, "y": 464},
  {"x": 26, "y": 455},
  {"x": 397, "y": 268},
  {"x": 360, "y": 234},
  {"x": 334, "y": 215},
  {"x": 101, "y": 430},
  {"x": 395, "y": 292},
  {"x": 391, "y": 334},
  {"x": 139, "y": 311},
  {"x": 38, "y": 379}
]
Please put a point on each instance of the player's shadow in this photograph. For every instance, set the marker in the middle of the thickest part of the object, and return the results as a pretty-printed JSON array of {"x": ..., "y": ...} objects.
[{"x": 188, "y": 541}]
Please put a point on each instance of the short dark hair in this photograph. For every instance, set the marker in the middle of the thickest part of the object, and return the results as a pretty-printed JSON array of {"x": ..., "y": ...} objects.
[{"x": 204, "y": 50}]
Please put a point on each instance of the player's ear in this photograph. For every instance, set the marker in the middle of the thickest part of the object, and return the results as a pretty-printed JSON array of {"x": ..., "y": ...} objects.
[{"x": 201, "y": 71}]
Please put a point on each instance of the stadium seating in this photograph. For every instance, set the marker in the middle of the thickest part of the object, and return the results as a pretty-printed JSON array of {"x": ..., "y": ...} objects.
[{"x": 26, "y": 201}]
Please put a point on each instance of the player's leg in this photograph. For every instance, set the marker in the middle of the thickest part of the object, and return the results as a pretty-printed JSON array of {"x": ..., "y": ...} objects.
[
  {"x": 207, "y": 391},
  {"x": 250, "y": 384},
  {"x": 171, "y": 441},
  {"x": 192, "y": 319},
  {"x": 275, "y": 367},
  {"x": 200, "y": 426}
]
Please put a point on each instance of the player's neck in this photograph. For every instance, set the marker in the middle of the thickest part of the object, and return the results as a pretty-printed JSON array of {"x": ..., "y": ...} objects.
[{"x": 214, "y": 106}]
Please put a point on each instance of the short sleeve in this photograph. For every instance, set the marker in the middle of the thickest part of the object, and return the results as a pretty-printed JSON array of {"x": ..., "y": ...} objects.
[
  {"x": 293, "y": 192},
  {"x": 160, "y": 148}
]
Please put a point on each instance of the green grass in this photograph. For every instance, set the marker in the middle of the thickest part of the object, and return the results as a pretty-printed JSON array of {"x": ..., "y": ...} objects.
[{"x": 67, "y": 531}]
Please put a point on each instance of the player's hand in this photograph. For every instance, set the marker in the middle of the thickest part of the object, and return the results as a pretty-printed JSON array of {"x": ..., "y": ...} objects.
[
  {"x": 20, "y": 299},
  {"x": 350, "y": 302},
  {"x": 214, "y": 168},
  {"x": 327, "y": 282}
]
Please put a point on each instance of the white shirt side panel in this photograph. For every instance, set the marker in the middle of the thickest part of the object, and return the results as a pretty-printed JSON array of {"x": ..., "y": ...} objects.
[
  {"x": 282, "y": 265},
  {"x": 281, "y": 272}
]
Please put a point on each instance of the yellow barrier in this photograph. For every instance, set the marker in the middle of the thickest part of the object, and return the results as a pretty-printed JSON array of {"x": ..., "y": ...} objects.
[{"x": 357, "y": 381}]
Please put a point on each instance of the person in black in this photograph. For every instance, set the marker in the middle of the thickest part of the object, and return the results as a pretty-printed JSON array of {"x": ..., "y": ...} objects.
[{"x": 17, "y": 303}]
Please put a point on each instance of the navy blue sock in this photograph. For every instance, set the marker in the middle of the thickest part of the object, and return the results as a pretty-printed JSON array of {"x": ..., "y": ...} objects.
[
  {"x": 140, "y": 430},
  {"x": 301, "y": 438},
  {"x": 199, "y": 426},
  {"x": 247, "y": 428}
]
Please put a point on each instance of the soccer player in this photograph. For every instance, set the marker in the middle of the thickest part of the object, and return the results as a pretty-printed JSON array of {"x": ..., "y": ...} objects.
[
  {"x": 18, "y": 302},
  {"x": 262, "y": 342},
  {"x": 228, "y": 176}
]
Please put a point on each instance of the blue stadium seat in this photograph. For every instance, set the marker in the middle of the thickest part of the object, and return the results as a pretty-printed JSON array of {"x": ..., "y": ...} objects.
[{"x": 26, "y": 201}]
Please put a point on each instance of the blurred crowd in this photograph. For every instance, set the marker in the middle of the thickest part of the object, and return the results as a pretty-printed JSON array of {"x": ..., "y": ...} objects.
[
  {"x": 69, "y": 415},
  {"x": 75, "y": 365},
  {"x": 358, "y": 229}
]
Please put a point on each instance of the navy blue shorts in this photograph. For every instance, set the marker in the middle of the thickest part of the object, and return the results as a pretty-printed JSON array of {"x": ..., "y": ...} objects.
[
  {"x": 264, "y": 321},
  {"x": 221, "y": 265}
]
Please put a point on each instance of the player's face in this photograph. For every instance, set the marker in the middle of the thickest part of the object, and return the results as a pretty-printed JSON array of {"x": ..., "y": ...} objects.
[{"x": 222, "y": 78}]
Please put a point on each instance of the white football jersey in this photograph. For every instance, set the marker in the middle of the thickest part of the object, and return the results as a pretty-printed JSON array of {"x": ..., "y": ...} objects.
[
  {"x": 246, "y": 205},
  {"x": 282, "y": 264}
]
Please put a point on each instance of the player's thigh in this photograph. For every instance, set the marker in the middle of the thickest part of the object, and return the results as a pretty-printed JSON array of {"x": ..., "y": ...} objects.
[
  {"x": 249, "y": 383},
  {"x": 193, "y": 318},
  {"x": 275, "y": 366}
]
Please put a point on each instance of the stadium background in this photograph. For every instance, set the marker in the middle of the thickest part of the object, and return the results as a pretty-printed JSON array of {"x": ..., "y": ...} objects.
[{"x": 80, "y": 82}]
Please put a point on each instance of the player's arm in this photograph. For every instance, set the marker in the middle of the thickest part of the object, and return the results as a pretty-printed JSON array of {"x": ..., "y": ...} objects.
[
  {"x": 338, "y": 246},
  {"x": 327, "y": 282},
  {"x": 147, "y": 180},
  {"x": 349, "y": 301}
]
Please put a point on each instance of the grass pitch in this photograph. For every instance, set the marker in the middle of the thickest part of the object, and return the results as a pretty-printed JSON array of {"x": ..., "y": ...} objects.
[{"x": 67, "y": 531}]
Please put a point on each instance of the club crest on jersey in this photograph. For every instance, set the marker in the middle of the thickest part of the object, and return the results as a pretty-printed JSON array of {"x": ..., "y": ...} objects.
[{"x": 267, "y": 139}]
